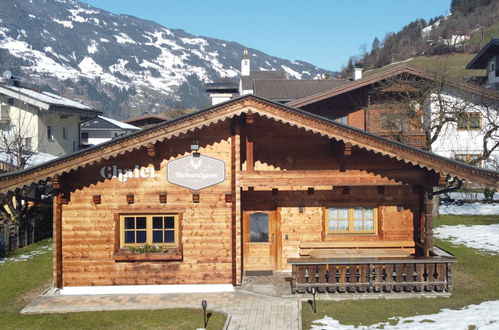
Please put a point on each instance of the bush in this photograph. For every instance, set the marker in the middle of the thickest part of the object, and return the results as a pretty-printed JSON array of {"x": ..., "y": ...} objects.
[{"x": 489, "y": 195}]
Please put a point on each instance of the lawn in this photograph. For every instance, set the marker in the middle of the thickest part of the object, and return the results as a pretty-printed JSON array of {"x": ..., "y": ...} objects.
[
  {"x": 23, "y": 281},
  {"x": 475, "y": 281}
]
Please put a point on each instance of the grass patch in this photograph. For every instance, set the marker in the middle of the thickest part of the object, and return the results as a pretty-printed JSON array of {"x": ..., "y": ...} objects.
[
  {"x": 475, "y": 281},
  {"x": 23, "y": 281}
]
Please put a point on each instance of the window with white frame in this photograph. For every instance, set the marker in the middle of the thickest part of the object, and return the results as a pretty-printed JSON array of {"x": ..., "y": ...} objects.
[{"x": 351, "y": 220}]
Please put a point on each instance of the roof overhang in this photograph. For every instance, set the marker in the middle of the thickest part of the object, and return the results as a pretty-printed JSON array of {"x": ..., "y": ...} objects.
[{"x": 387, "y": 74}]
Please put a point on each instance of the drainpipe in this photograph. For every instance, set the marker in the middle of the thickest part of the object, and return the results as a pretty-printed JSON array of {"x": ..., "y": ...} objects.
[{"x": 450, "y": 189}]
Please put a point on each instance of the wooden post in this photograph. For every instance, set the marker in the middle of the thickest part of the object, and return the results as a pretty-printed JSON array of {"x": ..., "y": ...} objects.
[
  {"x": 250, "y": 162},
  {"x": 57, "y": 228},
  {"x": 428, "y": 224},
  {"x": 235, "y": 167}
]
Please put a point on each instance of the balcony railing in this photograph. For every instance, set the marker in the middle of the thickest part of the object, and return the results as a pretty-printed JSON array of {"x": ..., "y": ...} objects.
[{"x": 363, "y": 275}]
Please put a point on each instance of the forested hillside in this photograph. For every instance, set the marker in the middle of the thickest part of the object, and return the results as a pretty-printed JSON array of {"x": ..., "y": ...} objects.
[{"x": 469, "y": 26}]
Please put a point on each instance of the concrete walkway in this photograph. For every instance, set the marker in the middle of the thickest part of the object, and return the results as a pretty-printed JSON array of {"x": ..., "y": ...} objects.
[{"x": 246, "y": 310}]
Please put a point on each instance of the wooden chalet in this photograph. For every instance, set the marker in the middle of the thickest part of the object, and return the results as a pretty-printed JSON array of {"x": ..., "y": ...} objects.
[{"x": 344, "y": 210}]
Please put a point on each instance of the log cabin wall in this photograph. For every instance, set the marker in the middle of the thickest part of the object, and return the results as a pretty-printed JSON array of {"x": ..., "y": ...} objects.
[
  {"x": 90, "y": 232},
  {"x": 299, "y": 175}
]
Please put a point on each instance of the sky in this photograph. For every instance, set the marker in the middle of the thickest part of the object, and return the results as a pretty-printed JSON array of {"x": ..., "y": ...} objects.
[{"x": 322, "y": 32}]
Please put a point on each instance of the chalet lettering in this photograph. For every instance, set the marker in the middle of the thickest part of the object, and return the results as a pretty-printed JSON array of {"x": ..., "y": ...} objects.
[
  {"x": 112, "y": 171},
  {"x": 196, "y": 171}
]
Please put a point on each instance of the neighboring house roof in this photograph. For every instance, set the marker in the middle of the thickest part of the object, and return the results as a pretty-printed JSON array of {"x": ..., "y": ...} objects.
[
  {"x": 146, "y": 120},
  {"x": 228, "y": 87},
  {"x": 247, "y": 81},
  {"x": 36, "y": 158},
  {"x": 45, "y": 100},
  {"x": 484, "y": 55},
  {"x": 390, "y": 73},
  {"x": 262, "y": 107},
  {"x": 291, "y": 89},
  {"x": 103, "y": 123}
]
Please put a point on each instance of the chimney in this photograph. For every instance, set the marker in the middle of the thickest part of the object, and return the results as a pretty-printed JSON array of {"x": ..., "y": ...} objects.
[
  {"x": 245, "y": 63},
  {"x": 357, "y": 71}
]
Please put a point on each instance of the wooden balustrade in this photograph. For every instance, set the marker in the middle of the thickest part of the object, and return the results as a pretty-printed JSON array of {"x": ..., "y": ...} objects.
[{"x": 363, "y": 275}]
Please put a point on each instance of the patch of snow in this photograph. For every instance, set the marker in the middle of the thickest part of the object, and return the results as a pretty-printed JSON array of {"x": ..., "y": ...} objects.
[
  {"x": 89, "y": 67},
  {"x": 470, "y": 209},
  {"x": 482, "y": 237},
  {"x": 27, "y": 256},
  {"x": 31, "y": 16},
  {"x": 35, "y": 159},
  {"x": 67, "y": 24},
  {"x": 39, "y": 61},
  {"x": 482, "y": 316},
  {"x": 194, "y": 41},
  {"x": 123, "y": 38},
  {"x": 291, "y": 72},
  {"x": 92, "y": 48},
  {"x": 103, "y": 40}
]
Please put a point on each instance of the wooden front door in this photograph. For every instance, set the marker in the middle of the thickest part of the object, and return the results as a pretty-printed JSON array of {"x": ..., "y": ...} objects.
[{"x": 260, "y": 238}]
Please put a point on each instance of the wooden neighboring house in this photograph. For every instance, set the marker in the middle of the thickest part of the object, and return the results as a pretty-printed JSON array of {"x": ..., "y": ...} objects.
[
  {"x": 101, "y": 129},
  {"x": 146, "y": 121},
  {"x": 367, "y": 102},
  {"x": 488, "y": 59},
  {"x": 247, "y": 186}
]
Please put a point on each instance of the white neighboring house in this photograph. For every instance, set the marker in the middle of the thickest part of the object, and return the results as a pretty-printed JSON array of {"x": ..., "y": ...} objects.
[
  {"x": 42, "y": 122},
  {"x": 464, "y": 140},
  {"x": 102, "y": 129}
]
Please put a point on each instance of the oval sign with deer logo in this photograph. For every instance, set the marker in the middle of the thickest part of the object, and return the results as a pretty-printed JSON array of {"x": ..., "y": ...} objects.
[{"x": 196, "y": 171}]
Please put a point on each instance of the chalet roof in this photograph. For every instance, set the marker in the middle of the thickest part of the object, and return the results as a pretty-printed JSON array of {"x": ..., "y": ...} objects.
[
  {"x": 45, "y": 100},
  {"x": 390, "y": 73},
  {"x": 484, "y": 55},
  {"x": 243, "y": 105},
  {"x": 291, "y": 89},
  {"x": 104, "y": 123},
  {"x": 247, "y": 81}
]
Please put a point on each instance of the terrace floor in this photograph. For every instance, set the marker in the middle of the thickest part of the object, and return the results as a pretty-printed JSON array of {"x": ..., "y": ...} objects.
[{"x": 244, "y": 309}]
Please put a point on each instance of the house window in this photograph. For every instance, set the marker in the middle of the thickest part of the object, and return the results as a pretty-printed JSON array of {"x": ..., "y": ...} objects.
[
  {"x": 352, "y": 220},
  {"x": 50, "y": 133},
  {"x": 64, "y": 132},
  {"x": 155, "y": 229},
  {"x": 84, "y": 136},
  {"x": 27, "y": 144},
  {"x": 469, "y": 120},
  {"x": 468, "y": 159}
]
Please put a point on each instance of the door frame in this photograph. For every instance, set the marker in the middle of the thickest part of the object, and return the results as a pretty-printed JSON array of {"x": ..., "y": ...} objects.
[{"x": 274, "y": 228}]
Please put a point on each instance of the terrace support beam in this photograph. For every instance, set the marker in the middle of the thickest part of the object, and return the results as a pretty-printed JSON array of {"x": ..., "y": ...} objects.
[{"x": 428, "y": 223}]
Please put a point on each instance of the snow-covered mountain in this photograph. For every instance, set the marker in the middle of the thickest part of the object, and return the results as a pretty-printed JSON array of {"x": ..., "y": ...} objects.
[{"x": 118, "y": 63}]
